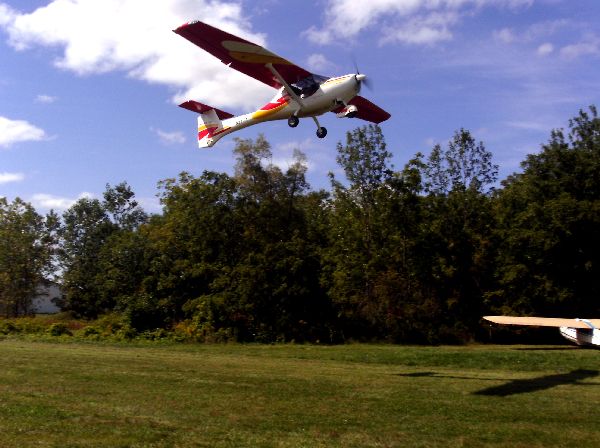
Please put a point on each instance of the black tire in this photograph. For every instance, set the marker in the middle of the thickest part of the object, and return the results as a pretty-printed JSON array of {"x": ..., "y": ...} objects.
[
  {"x": 293, "y": 121},
  {"x": 321, "y": 132}
]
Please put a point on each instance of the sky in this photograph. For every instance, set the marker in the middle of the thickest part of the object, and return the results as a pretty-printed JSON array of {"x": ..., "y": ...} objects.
[{"x": 89, "y": 88}]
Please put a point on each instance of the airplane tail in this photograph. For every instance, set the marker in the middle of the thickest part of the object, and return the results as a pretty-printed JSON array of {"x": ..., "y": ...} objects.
[{"x": 210, "y": 126}]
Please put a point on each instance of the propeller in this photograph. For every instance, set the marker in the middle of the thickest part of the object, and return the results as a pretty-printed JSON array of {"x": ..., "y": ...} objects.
[{"x": 361, "y": 78}]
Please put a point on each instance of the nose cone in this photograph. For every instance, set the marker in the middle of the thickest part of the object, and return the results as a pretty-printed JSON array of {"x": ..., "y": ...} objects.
[{"x": 360, "y": 77}]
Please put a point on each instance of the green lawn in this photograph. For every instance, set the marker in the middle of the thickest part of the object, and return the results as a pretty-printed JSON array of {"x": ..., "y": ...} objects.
[{"x": 103, "y": 395}]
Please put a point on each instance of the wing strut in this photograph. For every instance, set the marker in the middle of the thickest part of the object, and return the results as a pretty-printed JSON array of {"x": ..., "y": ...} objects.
[{"x": 285, "y": 85}]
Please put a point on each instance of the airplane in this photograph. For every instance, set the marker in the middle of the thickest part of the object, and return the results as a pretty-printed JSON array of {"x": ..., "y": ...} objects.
[
  {"x": 300, "y": 93},
  {"x": 585, "y": 332}
]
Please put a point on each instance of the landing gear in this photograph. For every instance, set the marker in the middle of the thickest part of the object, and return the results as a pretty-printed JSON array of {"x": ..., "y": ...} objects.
[
  {"x": 321, "y": 131},
  {"x": 293, "y": 121}
]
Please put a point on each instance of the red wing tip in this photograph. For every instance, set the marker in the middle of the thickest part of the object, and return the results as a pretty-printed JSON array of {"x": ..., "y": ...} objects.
[
  {"x": 185, "y": 25},
  {"x": 386, "y": 118}
]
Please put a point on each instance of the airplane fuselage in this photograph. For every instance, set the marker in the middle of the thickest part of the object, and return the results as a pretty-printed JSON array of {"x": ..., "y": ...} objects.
[
  {"x": 581, "y": 336},
  {"x": 330, "y": 95}
]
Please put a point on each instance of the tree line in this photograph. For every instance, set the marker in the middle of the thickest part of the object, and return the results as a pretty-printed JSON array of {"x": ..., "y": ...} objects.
[{"x": 412, "y": 255}]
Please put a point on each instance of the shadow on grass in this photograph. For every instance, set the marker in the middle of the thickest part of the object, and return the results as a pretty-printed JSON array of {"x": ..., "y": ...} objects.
[
  {"x": 553, "y": 349},
  {"x": 540, "y": 383},
  {"x": 513, "y": 387}
]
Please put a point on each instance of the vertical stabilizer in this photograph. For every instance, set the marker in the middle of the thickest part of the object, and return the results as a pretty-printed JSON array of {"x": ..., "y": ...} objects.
[{"x": 210, "y": 126}]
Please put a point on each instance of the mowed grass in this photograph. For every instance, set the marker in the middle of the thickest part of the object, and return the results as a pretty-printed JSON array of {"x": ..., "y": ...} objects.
[{"x": 102, "y": 395}]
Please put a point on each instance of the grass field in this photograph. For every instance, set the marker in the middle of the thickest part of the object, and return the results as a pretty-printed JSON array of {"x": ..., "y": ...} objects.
[{"x": 103, "y": 395}]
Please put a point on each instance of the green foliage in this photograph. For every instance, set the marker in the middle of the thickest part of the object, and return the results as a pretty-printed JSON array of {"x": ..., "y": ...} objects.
[
  {"x": 464, "y": 165},
  {"x": 91, "y": 332},
  {"x": 59, "y": 329},
  {"x": 26, "y": 250},
  {"x": 359, "y": 231},
  {"x": 548, "y": 220},
  {"x": 90, "y": 232},
  {"x": 416, "y": 255},
  {"x": 8, "y": 327}
]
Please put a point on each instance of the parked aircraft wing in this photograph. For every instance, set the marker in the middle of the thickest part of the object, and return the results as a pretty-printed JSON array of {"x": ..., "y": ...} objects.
[
  {"x": 369, "y": 111},
  {"x": 244, "y": 56},
  {"x": 543, "y": 321}
]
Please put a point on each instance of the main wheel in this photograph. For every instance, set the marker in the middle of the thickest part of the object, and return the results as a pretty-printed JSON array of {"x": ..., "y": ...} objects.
[
  {"x": 293, "y": 121},
  {"x": 321, "y": 132}
]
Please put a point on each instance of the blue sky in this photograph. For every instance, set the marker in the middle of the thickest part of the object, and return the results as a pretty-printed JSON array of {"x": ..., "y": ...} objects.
[{"x": 88, "y": 88}]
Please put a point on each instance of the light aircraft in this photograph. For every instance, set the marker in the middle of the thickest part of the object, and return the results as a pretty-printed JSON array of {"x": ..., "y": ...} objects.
[
  {"x": 299, "y": 93},
  {"x": 578, "y": 331}
]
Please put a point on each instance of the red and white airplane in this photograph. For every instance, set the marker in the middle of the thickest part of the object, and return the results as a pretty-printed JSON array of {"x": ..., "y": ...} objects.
[
  {"x": 299, "y": 93},
  {"x": 578, "y": 331}
]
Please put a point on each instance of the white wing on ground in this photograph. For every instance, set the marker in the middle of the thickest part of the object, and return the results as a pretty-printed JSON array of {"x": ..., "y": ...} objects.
[{"x": 542, "y": 321}]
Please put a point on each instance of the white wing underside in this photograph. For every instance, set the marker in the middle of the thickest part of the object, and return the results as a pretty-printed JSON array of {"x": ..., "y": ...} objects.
[{"x": 542, "y": 321}]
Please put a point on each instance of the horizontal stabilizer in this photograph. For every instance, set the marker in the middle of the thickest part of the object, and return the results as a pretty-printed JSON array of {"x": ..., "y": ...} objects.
[
  {"x": 199, "y": 108},
  {"x": 542, "y": 321}
]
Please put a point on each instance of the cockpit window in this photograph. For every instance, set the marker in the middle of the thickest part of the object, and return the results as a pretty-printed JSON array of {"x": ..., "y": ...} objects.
[{"x": 309, "y": 85}]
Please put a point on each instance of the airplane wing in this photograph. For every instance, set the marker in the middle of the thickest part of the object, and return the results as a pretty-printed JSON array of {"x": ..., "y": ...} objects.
[
  {"x": 244, "y": 56},
  {"x": 542, "y": 321},
  {"x": 368, "y": 111}
]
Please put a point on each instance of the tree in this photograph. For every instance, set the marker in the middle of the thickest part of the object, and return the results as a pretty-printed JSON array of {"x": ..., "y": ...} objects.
[
  {"x": 548, "y": 221},
  {"x": 464, "y": 165},
  {"x": 359, "y": 232},
  {"x": 26, "y": 248},
  {"x": 235, "y": 257},
  {"x": 455, "y": 243},
  {"x": 124, "y": 210},
  {"x": 86, "y": 228},
  {"x": 85, "y": 235}
]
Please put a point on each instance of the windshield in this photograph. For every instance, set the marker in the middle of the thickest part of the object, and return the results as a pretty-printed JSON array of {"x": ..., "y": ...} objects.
[{"x": 309, "y": 85}]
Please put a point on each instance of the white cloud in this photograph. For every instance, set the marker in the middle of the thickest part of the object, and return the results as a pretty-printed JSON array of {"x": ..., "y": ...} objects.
[
  {"x": 150, "y": 204},
  {"x": 319, "y": 63},
  {"x": 7, "y": 14},
  {"x": 588, "y": 47},
  {"x": 530, "y": 126},
  {"x": 135, "y": 36},
  {"x": 45, "y": 99},
  {"x": 59, "y": 203},
  {"x": 13, "y": 131},
  {"x": 545, "y": 49},
  {"x": 169, "y": 138},
  {"x": 422, "y": 30},
  {"x": 319, "y": 158},
  {"x": 535, "y": 33},
  {"x": 284, "y": 154},
  {"x": 6, "y": 178},
  {"x": 430, "y": 142},
  {"x": 505, "y": 35},
  {"x": 417, "y": 21}
]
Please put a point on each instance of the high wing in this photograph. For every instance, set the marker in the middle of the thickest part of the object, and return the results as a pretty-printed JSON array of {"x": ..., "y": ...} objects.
[
  {"x": 369, "y": 111},
  {"x": 244, "y": 56},
  {"x": 543, "y": 321}
]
